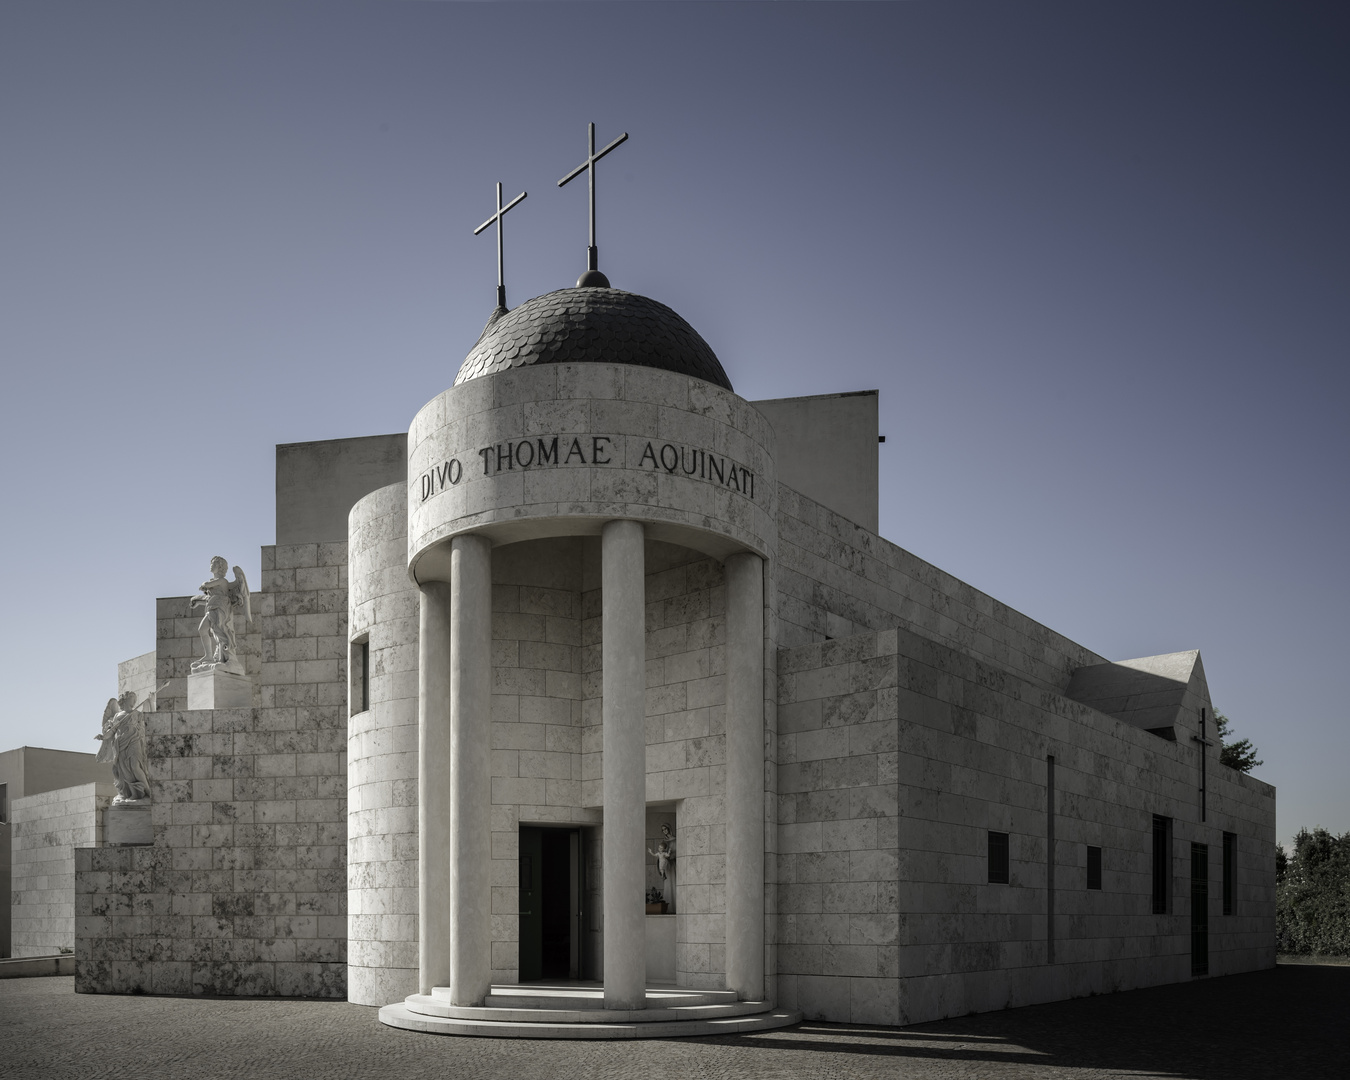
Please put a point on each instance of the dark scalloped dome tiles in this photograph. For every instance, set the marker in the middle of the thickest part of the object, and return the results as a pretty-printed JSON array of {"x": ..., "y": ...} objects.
[{"x": 607, "y": 326}]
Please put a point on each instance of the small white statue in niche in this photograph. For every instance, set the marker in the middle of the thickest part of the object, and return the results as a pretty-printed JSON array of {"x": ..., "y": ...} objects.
[
  {"x": 221, "y": 598},
  {"x": 123, "y": 739},
  {"x": 665, "y": 863}
]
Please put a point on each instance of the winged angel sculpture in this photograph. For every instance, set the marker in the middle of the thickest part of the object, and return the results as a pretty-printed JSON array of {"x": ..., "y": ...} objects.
[
  {"x": 123, "y": 739},
  {"x": 221, "y": 598}
]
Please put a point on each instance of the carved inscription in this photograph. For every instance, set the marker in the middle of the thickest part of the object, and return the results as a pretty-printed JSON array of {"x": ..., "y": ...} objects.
[{"x": 564, "y": 450}]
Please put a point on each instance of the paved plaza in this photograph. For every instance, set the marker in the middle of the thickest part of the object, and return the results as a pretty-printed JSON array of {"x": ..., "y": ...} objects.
[{"x": 1287, "y": 1022}]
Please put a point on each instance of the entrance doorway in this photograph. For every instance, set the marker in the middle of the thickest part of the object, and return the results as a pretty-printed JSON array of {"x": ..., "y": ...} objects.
[
  {"x": 550, "y": 903},
  {"x": 1199, "y": 909}
]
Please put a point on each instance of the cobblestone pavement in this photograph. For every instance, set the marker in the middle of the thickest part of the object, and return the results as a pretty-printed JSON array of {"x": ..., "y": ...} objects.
[{"x": 1292, "y": 1021}]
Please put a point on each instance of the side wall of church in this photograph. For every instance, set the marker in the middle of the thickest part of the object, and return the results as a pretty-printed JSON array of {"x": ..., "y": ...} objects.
[
  {"x": 836, "y": 579},
  {"x": 972, "y": 744},
  {"x": 837, "y": 813},
  {"x": 244, "y": 891},
  {"x": 382, "y": 754}
]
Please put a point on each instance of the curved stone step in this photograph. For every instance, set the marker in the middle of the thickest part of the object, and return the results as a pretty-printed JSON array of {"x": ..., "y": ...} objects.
[
  {"x": 401, "y": 1016},
  {"x": 534, "y": 996},
  {"x": 436, "y": 1005}
]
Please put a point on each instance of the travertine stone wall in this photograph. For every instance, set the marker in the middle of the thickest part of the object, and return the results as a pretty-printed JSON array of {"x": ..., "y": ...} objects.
[
  {"x": 382, "y": 756},
  {"x": 898, "y": 756},
  {"x": 245, "y": 889},
  {"x": 836, "y": 579},
  {"x": 547, "y": 762},
  {"x": 837, "y": 813},
  {"x": 536, "y": 721},
  {"x": 138, "y": 676},
  {"x": 47, "y": 828},
  {"x": 686, "y": 745}
]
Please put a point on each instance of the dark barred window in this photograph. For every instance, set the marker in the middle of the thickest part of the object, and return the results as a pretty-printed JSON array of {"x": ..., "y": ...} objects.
[
  {"x": 1162, "y": 864},
  {"x": 1094, "y": 867},
  {"x": 998, "y": 858}
]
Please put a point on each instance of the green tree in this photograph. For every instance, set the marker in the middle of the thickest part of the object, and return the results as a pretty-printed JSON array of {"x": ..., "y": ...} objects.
[
  {"x": 1312, "y": 899},
  {"x": 1239, "y": 754}
]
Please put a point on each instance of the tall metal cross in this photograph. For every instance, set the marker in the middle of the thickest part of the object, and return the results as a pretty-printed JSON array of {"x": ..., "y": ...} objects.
[
  {"x": 588, "y": 166},
  {"x": 497, "y": 217}
]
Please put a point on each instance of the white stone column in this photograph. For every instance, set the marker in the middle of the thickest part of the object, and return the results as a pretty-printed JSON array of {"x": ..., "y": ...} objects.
[
  {"x": 745, "y": 776},
  {"x": 433, "y": 787},
  {"x": 624, "y": 685},
  {"x": 470, "y": 768}
]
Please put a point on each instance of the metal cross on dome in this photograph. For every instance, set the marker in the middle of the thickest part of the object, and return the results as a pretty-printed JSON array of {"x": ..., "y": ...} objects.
[
  {"x": 497, "y": 217},
  {"x": 588, "y": 166}
]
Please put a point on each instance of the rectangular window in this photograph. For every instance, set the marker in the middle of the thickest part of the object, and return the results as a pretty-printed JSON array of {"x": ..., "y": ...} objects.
[
  {"x": 1162, "y": 864},
  {"x": 1094, "y": 867},
  {"x": 4, "y": 808},
  {"x": 358, "y": 677},
  {"x": 1229, "y": 870},
  {"x": 998, "y": 858}
]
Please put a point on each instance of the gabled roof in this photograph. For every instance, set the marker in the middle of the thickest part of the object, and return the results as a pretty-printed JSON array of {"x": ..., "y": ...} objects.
[{"x": 1147, "y": 692}]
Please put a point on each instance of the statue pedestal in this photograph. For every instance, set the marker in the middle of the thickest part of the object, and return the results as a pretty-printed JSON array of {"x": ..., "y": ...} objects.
[
  {"x": 217, "y": 688},
  {"x": 128, "y": 824}
]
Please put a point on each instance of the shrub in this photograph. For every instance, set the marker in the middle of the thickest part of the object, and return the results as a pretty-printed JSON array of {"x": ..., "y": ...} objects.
[{"x": 1312, "y": 895}]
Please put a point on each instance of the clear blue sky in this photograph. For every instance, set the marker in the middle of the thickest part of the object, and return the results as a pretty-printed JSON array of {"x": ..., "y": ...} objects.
[{"x": 1092, "y": 255}]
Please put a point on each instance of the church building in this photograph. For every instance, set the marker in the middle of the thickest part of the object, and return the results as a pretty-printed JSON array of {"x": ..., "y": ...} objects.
[{"x": 596, "y": 706}]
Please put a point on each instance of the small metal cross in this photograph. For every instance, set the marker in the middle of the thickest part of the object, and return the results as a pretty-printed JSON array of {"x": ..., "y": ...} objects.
[
  {"x": 497, "y": 217},
  {"x": 588, "y": 166}
]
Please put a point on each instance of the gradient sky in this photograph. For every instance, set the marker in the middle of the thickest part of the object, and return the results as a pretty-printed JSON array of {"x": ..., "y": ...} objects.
[{"x": 1093, "y": 255}]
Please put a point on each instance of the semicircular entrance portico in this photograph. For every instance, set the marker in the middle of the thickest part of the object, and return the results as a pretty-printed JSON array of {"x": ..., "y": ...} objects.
[{"x": 589, "y": 544}]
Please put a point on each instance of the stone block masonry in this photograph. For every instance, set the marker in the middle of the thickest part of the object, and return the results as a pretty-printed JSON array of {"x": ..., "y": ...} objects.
[
  {"x": 838, "y": 862},
  {"x": 382, "y": 944},
  {"x": 245, "y": 889},
  {"x": 836, "y": 579},
  {"x": 47, "y": 828}
]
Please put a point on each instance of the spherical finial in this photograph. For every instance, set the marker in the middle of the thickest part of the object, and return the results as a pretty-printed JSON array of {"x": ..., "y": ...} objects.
[{"x": 593, "y": 279}]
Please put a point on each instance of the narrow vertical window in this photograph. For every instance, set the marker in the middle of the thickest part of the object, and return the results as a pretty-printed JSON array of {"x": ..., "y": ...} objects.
[
  {"x": 998, "y": 858},
  {"x": 1094, "y": 867},
  {"x": 358, "y": 676},
  {"x": 1050, "y": 858},
  {"x": 1229, "y": 870},
  {"x": 1162, "y": 864},
  {"x": 4, "y": 809}
]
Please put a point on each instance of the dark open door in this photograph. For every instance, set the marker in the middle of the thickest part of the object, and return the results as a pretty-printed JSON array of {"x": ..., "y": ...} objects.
[
  {"x": 550, "y": 903},
  {"x": 1199, "y": 909},
  {"x": 531, "y": 904}
]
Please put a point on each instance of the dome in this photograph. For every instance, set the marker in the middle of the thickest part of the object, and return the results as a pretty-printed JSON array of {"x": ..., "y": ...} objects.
[{"x": 607, "y": 326}]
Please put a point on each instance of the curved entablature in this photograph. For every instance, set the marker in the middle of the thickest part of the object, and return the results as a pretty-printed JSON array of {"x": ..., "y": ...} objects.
[{"x": 560, "y": 449}]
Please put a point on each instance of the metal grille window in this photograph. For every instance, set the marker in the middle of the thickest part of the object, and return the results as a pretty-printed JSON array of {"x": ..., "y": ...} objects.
[
  {"x": 998, "y": 858},
  {"x": 1229, "y": 870},
  {"x": 1162, "y": 864},
  {"x": 1094, "y": 867}
]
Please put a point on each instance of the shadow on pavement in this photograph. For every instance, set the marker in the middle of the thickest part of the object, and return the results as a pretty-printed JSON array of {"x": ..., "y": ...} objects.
[{"x": 1289, "y": 1021}]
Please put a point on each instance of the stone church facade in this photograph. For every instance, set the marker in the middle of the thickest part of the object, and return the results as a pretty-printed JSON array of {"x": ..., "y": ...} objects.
[{"x": 594, "y": 592}]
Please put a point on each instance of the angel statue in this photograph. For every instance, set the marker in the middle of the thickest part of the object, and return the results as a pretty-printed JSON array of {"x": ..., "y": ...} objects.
[
  {"x": 221, "y": 598},
  {"x": 123, "y": 739},
  {"x": 665, "y": 857}
]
